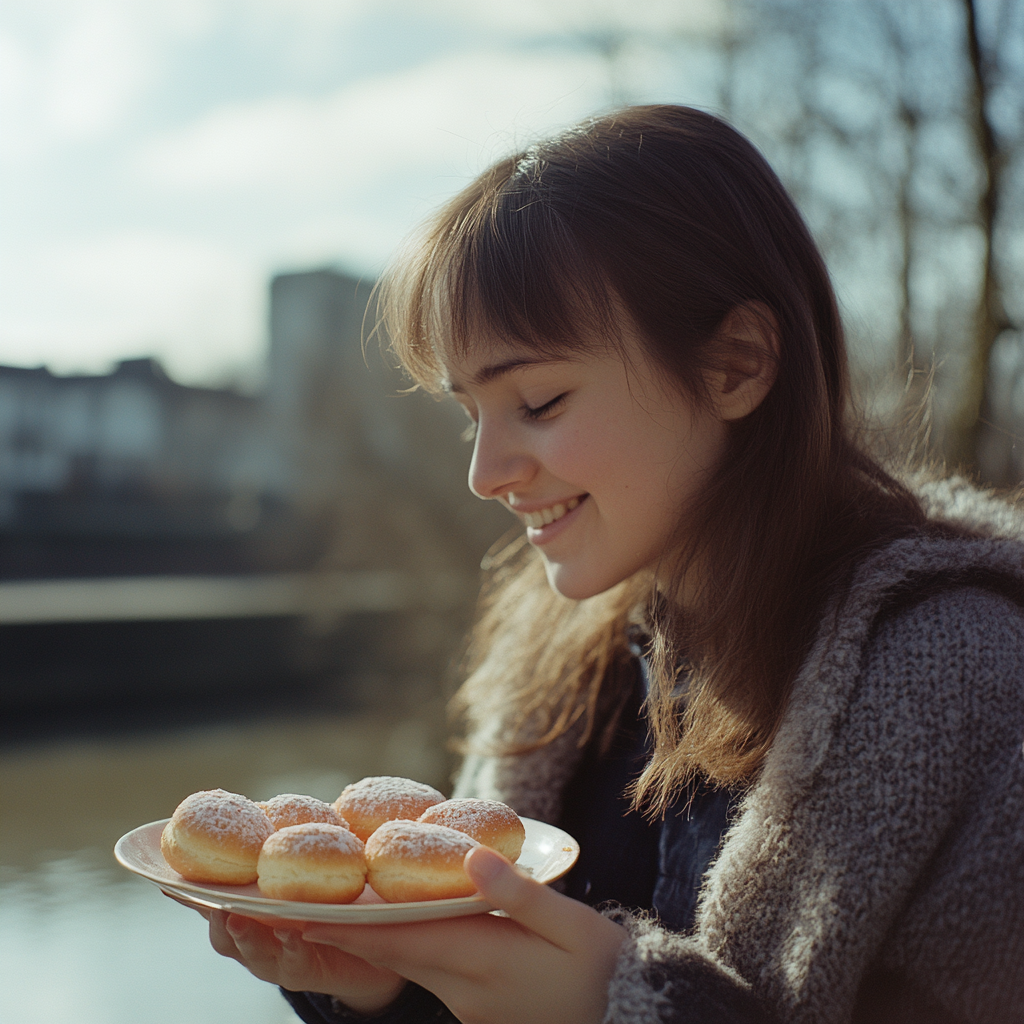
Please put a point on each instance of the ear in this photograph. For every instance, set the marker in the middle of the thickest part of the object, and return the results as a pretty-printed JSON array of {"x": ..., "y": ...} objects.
[{"x": 747, "y": 353}]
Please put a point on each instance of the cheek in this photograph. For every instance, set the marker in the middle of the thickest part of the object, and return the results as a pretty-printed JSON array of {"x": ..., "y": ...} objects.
[
  {"x": 577, "y": 456},
  {"x": 662, "y": 468},
  {"x": 611, "y": 461},
  {"x": 608, "y": 467}
]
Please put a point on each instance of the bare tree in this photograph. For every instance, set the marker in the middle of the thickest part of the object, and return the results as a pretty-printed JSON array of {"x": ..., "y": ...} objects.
[
  {"x": 920, "y": 107},
  {"x": 899, "y": 127},
  {"x": 908, "y": 114},
  {"x": 986, "y": 59}
]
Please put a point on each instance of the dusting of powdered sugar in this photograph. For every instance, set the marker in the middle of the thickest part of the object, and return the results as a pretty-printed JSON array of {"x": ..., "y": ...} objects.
[
  {"x": 471, "y": 814},
  {"x": 225, "y": 815},
  {"x": 312, "y": 838},
  {"x": 418, "y": 839},
  {"x": 387, "y": 795},
  {"x": 295, "y": 809}
]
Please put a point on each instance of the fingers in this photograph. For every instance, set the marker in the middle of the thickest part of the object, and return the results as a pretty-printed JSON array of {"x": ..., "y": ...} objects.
[
  {"x": 558, "y": 920},
  {"x": 417, "y": 951},
  {"x": 203, "y": 911},
  {"x": 277, "y": 955},
  {"x": 220, "y": 938},
  {"x": 252, "y": 944},
  {"x": 276, "y": 952},
  {"x": 549, "y": 960},
  {"x": 378, "y": 944},
  {"x": 562, "y": 921}
]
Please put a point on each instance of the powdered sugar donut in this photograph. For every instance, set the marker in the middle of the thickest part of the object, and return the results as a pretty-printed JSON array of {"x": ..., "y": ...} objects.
[
  {"x": 367, "y": 804},
  {"x": 294, "y": 809},
  {"x": 314, "y": 862},
  {"x": 409, "y": 861},
  {"x": 489, "y": 822},
  {"x": 215, "y": 836}
]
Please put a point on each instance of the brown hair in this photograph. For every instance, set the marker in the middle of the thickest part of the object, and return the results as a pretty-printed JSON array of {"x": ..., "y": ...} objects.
[{"x": 670, "y": 217}]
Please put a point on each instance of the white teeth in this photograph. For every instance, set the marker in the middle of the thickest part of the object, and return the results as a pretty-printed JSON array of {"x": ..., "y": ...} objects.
[{"x": 549, "y": 515}]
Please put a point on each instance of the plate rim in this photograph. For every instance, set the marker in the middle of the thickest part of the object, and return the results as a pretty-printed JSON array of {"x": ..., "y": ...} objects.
[{"x": 280, "y": 908}]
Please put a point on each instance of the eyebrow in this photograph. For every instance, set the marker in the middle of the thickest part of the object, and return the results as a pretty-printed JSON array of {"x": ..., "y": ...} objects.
[{"x": 495, "y": 370}]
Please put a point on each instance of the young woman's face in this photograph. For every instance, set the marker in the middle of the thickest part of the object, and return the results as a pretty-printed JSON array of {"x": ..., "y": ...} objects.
[{"x": 593, "y": 453}]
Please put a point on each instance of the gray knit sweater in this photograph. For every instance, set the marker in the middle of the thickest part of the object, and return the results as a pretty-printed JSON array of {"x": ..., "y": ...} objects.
[{"x": 875, "y": 870}]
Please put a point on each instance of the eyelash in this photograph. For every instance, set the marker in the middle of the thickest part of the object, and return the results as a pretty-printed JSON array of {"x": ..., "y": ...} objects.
[
  {"x": 543, "y": 410},
  {"x": 469, "y": 434}
]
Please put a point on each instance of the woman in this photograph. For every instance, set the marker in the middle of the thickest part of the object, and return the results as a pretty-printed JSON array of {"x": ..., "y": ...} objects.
[{"x": 803, "y": 674}]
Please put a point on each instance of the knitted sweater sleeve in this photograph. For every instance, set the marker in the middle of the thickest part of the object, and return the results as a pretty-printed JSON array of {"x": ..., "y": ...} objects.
[{"x": 885, "y": 838}]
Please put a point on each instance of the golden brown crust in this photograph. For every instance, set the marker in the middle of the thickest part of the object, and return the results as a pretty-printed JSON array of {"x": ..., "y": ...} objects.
[
  {"x": 410, "y": 861},
  {"x": 489, "y": 822},
  {"x": 295, "y": 809},
  {"x": 314, "y": 862},
  {"x": 367, "y": 804},
  {"x": 216, "y": 836}
]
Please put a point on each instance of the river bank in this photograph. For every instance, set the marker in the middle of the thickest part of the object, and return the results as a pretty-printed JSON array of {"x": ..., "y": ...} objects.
[{"x": 79, "y": 936}]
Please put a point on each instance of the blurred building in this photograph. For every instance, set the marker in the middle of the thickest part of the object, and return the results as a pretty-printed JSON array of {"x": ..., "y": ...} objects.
[
  {"x": 163, "y": 538},
  {"x": 319, "y": 391},
  {"x": 132, "y": 428},
  {"x": 130, "y": 472},
  {"x": 384, "y": 466}
]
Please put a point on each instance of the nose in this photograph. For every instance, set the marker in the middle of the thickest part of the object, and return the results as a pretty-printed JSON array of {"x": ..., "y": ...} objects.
[{"x": 499, "y": 463}]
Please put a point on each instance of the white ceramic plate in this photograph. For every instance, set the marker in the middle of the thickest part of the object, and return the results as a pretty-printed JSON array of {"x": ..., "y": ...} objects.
[{"x": 548, "y": 853}]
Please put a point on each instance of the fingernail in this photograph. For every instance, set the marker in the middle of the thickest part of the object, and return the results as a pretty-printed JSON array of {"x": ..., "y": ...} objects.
[
  {"x": 483, "y": 865},
  {"x": 284, "y": 936}
]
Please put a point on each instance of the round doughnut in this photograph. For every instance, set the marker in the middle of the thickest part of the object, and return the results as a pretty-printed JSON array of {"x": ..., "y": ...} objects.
[
  {"x": 293, "y": 809},
  {"x": 215, "y": 836},
  {"x": 409, "y": 861},
  {"x": 489, "y": 822},
  {"x": 367, "y": 804},
  {"x": 314, "y": 862}
]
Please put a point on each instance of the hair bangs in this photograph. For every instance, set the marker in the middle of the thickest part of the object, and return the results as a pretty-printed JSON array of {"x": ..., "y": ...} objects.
[{"x": 499, "y": 264}]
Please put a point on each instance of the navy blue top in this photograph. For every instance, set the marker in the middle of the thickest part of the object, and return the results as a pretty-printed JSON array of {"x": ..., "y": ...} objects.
[{"x": 624, "y": 858}]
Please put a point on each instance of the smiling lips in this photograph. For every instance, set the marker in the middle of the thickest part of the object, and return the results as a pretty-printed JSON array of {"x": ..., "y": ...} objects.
[{"x": 547, "y": 516}]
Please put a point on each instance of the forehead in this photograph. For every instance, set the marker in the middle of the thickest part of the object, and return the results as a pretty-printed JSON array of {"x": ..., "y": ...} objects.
[
  {"x": 491, "y": 358},
  {"x": 480, "y": 356},
  {"x": 490, "y": 361}
]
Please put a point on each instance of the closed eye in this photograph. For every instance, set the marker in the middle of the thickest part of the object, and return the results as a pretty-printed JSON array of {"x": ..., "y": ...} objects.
[{"x": 543, "y": 411}]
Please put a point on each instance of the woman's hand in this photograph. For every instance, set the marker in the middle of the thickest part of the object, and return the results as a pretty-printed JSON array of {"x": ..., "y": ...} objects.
[
  {"x": 548, "y": 961},
  {"x": 279, "y": 955}
]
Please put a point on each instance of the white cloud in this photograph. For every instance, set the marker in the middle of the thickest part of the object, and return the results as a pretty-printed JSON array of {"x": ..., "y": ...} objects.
[
  {"x": 289, "y": 182},
  {"x": 80, "y": 304},
  {"x": 74, "y": 70},
  {"x": 174, "y": 255},
  {"x": 346, "y": 176},
  {"x": 17, "y": 74},
  {"x": 455, "y": 113},
  {"x": 689, "y": 17},
  {"x": 99, "y": 65}
]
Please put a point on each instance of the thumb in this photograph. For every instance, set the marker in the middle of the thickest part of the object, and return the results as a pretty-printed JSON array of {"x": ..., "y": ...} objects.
[{"x": 554, "y": 917}]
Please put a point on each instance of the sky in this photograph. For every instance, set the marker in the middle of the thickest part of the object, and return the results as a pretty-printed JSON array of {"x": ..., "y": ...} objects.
[{"x": 161, "y": 159}]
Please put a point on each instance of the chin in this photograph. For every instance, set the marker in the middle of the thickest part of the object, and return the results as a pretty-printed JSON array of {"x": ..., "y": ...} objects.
[{"x": 576, "y": 584}]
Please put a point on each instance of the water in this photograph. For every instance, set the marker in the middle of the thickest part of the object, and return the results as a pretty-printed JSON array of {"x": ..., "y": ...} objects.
[{"x": 82, "y": 939}]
